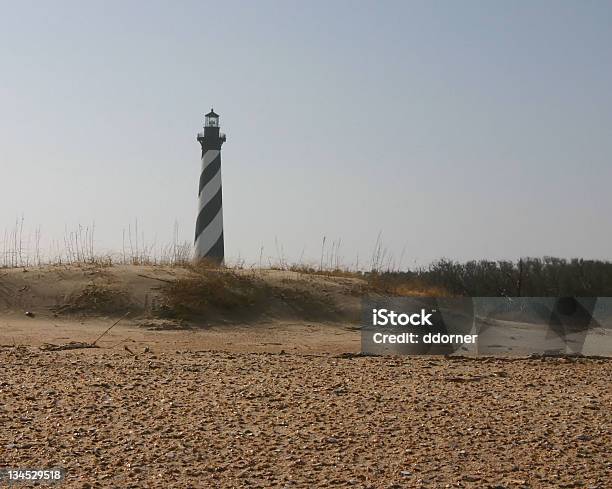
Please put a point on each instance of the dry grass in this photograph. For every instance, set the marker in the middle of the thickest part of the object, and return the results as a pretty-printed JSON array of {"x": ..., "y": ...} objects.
[
  {"x": 234, "y": 293},
  {"x": 391, "y": 285},
  {"x": 209, "y": 289},
  {"x": 22, "y": 249},
  {"x": 333, "y": 272},
  {"x": 96, "y": 298}
]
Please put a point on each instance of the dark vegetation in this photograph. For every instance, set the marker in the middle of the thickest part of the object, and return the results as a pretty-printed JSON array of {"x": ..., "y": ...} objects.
[{"x": 529, "y": 277}]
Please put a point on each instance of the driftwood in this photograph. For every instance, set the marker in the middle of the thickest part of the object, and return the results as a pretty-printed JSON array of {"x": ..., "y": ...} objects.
[{"x": 73, "y": 345}]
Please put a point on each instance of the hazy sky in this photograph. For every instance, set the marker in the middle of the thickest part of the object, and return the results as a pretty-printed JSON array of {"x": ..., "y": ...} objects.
[{"x": 472, "y": 129}]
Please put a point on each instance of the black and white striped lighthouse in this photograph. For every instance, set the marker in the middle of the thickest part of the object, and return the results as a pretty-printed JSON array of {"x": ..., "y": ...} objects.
[{"x": 209, "y": 225}]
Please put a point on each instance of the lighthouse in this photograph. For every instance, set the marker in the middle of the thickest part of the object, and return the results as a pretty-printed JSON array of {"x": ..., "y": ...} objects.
[{"x": 209, "y": 224}]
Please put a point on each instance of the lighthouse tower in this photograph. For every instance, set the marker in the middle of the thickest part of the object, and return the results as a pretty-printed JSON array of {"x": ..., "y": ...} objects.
[{"x": 209, "y": 225}]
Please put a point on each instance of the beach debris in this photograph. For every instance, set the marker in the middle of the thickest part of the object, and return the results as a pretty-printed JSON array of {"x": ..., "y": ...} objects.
[
  {"x": 77, "y": 345},
  {"x": 73, "y": 345},
  {"x": 111, "y": 327}
]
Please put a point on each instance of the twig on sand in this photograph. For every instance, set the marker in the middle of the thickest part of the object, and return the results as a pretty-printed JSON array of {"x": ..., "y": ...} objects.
[
  {"x": 77, "y": 345},
  {"x": 156, "y": 278},
  {"x": 111, "y": 327}
]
